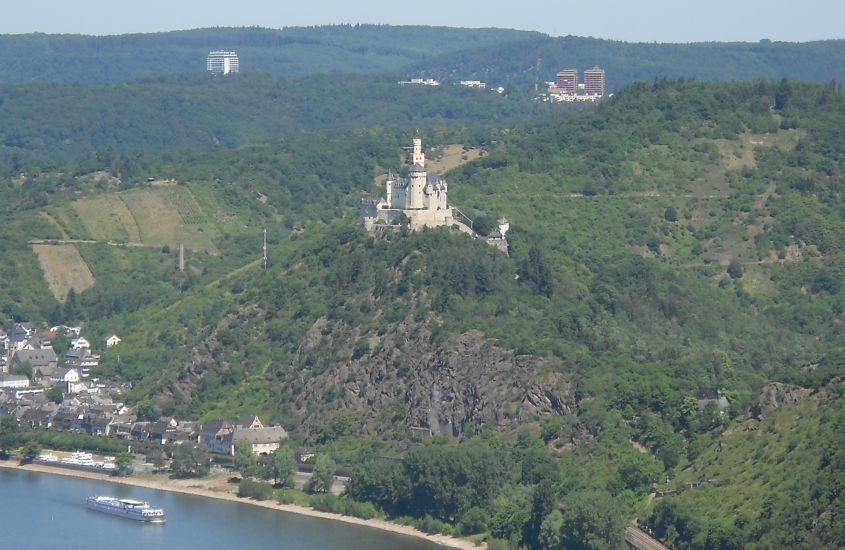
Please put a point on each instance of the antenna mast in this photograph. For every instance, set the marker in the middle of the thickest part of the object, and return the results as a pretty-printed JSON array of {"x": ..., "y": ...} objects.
[{"x": 265, "y": 248}]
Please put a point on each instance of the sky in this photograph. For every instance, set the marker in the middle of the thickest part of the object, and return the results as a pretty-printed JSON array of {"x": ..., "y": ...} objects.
[{"x": 627, "y": 20}]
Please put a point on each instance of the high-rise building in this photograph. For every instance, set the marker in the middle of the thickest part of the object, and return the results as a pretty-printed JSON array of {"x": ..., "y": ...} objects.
[
  {"x": 220, "y": 62},
  {"x": 567, "y": 81},
  {"x": 594, "y": 81}
]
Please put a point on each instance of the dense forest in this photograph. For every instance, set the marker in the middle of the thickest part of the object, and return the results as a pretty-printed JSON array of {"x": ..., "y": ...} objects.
[
  {"x": 497, "y": 56},
  {"x": 680, "y": 242},
  {"x": 198, "y": 111},
  {"x": 537, "y": 59},
  {"x": 289, "y": 52}
]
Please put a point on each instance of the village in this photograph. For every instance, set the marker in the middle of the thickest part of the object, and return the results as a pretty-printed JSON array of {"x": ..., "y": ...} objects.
[{"x": 43, "y": 390}]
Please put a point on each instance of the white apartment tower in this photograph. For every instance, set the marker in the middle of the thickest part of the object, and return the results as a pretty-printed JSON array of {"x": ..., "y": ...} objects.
[{"x": 223, "y": 63}]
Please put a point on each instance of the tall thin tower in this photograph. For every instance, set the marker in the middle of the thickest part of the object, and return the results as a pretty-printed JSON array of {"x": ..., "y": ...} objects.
[
  {"x": 265, "y": 248},
  {"x": 181, "y": 257}
]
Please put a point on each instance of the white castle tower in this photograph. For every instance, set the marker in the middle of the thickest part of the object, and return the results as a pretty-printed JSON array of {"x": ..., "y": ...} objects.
[{"x": 418, "y": 176}]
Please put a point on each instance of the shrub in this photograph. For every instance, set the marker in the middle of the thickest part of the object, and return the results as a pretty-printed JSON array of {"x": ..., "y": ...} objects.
[
  {"x": 255, "y": 489},
  {"x": 285, "y": 497},
  {"x": 430, "y": 525},
  {"x": 474, "y": 521}
]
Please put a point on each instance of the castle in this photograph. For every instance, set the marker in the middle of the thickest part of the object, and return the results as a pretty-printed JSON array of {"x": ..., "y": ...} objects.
[{"x": 421, "y": 197}]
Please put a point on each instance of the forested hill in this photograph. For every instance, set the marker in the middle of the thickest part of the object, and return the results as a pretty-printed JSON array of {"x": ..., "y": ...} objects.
[
  {"x": 288, "y": 52},
  {"x": 499, "y": 56},
  {"x": 199, "y": 111},
  {"x": 683, "y": 241},
  {"x": 537, "y": 59}
]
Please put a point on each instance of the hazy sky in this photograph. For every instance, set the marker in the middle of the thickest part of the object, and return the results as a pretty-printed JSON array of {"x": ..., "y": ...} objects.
[{"x": 629, "y": 20}]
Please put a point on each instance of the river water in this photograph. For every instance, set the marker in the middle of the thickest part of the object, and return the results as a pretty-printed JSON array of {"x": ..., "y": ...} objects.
[{"x": 42, "y": 511}]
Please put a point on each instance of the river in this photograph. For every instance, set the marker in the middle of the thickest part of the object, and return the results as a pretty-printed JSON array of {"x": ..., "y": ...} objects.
[{"x": 42, "y": 511}]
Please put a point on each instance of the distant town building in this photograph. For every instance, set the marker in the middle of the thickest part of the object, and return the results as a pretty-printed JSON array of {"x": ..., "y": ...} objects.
[
  {"x": 594, "y": 81},
  {"x": 222, "y": 63},
  {"x": 420, "y": 82},
  {"x": 473, "y": 84},
  {"x": 567, "y": 81},
  {"x": 566, "y": 87},
  {"x": 13, "y": 381}
]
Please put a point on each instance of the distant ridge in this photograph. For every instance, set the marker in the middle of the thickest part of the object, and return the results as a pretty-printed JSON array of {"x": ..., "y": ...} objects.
[
  {"x": 288, "y": 52},
  {"x": 499, "y": 55}
]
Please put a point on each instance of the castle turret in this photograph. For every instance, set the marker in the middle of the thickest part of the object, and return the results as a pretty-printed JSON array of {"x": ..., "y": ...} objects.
[
  {"x": 418, "y": 157},
  {"x": 416, "y": 189},
  {"x": 389, "y": 189}
]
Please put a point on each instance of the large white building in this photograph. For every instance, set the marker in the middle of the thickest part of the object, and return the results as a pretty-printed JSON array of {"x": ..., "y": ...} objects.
[
  {"x": 419, "y": 196},
  {"x": 220, "y": 62}
]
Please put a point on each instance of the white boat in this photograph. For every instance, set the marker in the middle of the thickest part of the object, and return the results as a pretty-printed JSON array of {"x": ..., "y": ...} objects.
[{"x": 126, "y": 508}]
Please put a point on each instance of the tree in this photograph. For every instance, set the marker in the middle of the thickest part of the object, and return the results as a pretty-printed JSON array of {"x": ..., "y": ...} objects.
[
  {"x": 551, "y": 531},
  {"x": 593, "y": 521},
  {"x": 484, "y": 225},
  {"x": 282, "y": 466},
  {"x": 544, "y": 501},
  {"x": 189, "y": 461},
  {"x": 245, "y": 461},
  {"x": 123, "y": 461},
  {"x": 323, "y": 477},
  {"x": 56, "y": 395},
  {"x": 509, "y": 521},
  {"x": 9, "y": 431},
  {"x": 24, "y": 369},
  {"x": 148, "y": 410},
  {"x": 382, "y": 482},
  {"x": 735, "y": 269},
  {"x": 782, "y": 94},
  {"x": 61, "y": 343},
  {"x": 538, "y": 271},
  {"x": 31, "y": 450}
]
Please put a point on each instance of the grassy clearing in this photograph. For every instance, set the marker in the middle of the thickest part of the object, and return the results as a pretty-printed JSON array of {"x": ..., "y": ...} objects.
[
  {"x": 158, "y": 214},
  {"x": 52, "y": 221},
  {"x": 449, "y": 157},
  {"x": 107, "y": 218},
  {"x": 64, "y": 269},
  {"x": 69, "y": 221}
]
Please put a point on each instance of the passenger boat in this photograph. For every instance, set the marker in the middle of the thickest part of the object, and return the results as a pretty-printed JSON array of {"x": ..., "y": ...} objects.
[{"x": 126, "y": 508}]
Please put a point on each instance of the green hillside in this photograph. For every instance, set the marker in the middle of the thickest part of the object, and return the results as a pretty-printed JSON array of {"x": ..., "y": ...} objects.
[
  {"x": 289, "y": 52},
  {"x": 680, "y": 241},
  {"x": 192, "y": 112},
  {"x": 499, "y": 56},
  {"x": 537, "y": 59}
]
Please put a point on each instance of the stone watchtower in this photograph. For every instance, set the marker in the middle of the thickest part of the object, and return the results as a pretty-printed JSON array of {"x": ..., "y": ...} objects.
[{"x": 418, "y": 177}]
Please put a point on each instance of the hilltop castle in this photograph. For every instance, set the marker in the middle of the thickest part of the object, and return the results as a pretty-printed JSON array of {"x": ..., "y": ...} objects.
[{"x": 421, "y": 197}]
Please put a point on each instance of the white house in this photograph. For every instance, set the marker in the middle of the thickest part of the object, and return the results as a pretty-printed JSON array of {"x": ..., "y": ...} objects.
[
  {"x": 112, "y": 340},
  {"x": 64, "y": 376},
  {"x": 13, "y": 381},
  {"x": 221, "y": 436},
  {"x": 77, "y": 387},
  {"x": 80, "y": 343}
]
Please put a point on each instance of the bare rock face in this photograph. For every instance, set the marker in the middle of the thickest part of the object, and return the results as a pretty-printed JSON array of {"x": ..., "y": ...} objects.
[
  {"x": 775, "y": 396},
  {"x": 467, "y": 383}
]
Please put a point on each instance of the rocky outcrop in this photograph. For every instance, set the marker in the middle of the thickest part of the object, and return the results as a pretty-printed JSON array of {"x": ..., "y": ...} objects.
[
  {"x": 464, "y": 384},
  {"x": 777, "y": 395}
]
